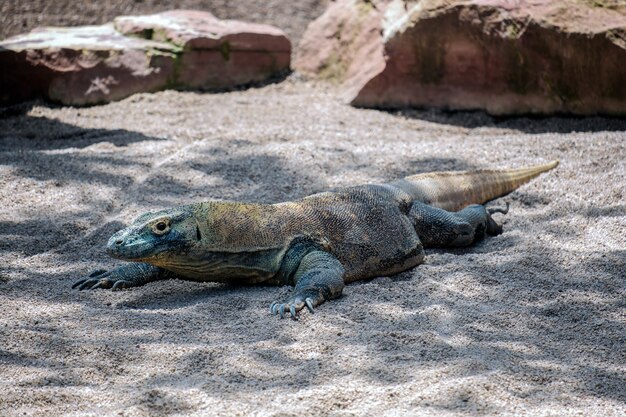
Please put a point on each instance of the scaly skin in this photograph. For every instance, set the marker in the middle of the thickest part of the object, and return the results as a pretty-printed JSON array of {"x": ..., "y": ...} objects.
[{"x": 318, "y": 243}]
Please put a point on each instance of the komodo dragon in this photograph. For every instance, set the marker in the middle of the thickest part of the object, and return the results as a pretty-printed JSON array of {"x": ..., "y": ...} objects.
[{"x": 317, "y": 243}]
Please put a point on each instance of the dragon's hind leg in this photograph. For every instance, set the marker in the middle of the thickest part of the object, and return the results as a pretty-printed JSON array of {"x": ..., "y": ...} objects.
[{"x": 440, "y": 228}]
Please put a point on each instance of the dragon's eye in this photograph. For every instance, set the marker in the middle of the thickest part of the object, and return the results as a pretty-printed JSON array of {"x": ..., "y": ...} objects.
[{"x": 161, "y": 227}]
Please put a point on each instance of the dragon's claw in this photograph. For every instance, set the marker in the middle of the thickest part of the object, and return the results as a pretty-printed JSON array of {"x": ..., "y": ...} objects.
[
  {"x": 98, "y": 279},
  {"x": 84, "y": 283},
  {"x": 98, "y": 284},
  {"x": 77, "y": 283},
  {"x": 126, "y": 276},
  {"x": 121, "y": 284},
  {"x": 104, "y": 282},
  {"x": 282, "y": 309},
  {"x": 503, "y": 210},
  {"x": 293, "y": 306}
]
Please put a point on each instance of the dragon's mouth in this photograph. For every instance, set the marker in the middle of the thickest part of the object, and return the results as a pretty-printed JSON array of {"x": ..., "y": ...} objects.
[{"x": 128, "y": 246}]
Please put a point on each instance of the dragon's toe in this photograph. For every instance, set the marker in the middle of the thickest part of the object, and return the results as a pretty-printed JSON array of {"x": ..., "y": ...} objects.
[
  {"x": 121, "y": 284},
  {"x": 309, "y": 304},
  {"x": 294, "y": 304},
  {"x": 103, "y": 279},
  {"x": 85, "y": 283}
]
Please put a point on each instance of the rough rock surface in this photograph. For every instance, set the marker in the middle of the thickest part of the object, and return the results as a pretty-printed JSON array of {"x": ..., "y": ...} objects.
[
  {"x": 83, "y": 65},
  {"x": 344, "y": 45},
  {"x": 95, "y": 64},
  {"x": 215, "y": 53},
  {"x": 506, "y": 57},
  {"x": 22, "y": 16}
]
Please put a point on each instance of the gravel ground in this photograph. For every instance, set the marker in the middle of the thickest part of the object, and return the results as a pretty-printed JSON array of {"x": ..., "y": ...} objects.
[{"x": 532, "y": 322}]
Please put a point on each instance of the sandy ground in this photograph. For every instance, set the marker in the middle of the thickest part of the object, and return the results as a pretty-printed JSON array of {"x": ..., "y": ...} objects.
[{"x": 532, "y": 322}]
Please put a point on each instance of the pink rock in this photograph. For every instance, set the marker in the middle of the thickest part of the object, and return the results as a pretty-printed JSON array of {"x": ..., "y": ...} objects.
[
  {"x": 344, "y": 45},
  {"x": 215, "y": 53},
  {"x": 82, "y": 65},
  {"x": 177, "y": 49},
  {"x": 506, "y": 57}
]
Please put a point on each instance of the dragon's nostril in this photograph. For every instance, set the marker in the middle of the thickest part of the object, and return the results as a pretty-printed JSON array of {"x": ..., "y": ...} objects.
[{"x": 119, "y": 242}]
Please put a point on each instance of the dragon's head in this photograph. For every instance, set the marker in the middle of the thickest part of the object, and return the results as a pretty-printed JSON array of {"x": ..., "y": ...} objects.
[
  {"x": 155, "y": 237},
  {"x": 211, "y": 239}
]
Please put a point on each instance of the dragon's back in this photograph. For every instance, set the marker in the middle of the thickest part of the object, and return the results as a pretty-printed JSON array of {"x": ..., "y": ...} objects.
[{"x": 366, "y": 227}]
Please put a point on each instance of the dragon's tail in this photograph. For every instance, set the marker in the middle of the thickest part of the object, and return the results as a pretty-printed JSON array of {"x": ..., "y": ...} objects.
[{"x": 453, "y": 190}]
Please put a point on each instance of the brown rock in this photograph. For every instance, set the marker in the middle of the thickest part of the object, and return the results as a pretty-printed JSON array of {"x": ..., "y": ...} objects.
[
  {"x": 506, "y": 57},
  {"x": 178, "y": 49},
  {"x": 344, "y": 45},
  {"x": 82, "y": 65},
  {"x": 215, "y": 53}
]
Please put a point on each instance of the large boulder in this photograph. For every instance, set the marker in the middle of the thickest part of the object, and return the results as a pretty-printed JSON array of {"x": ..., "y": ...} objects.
[
  {"x": 177, "y": 49},
  {"x": 214, "y": 53},
  {"x": 506, "y": 57},
  {"x": 81, "y": 65}
]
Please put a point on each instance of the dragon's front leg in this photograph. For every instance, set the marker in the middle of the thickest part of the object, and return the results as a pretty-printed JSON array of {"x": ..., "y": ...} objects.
[{"x": 319, "y": 278}]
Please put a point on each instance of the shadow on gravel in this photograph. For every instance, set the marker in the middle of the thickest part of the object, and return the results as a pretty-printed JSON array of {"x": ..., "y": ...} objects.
[
  {"x": 563, "y": 329},
  {"x": 407, "y": 167},
  {"x": 21, "y": 132},
  {"x": 220, "y": 339},
  {"x": 47, "y": 152},
  {"x": 44, "y": 149},
  {"x": 526, "y": 124}
]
